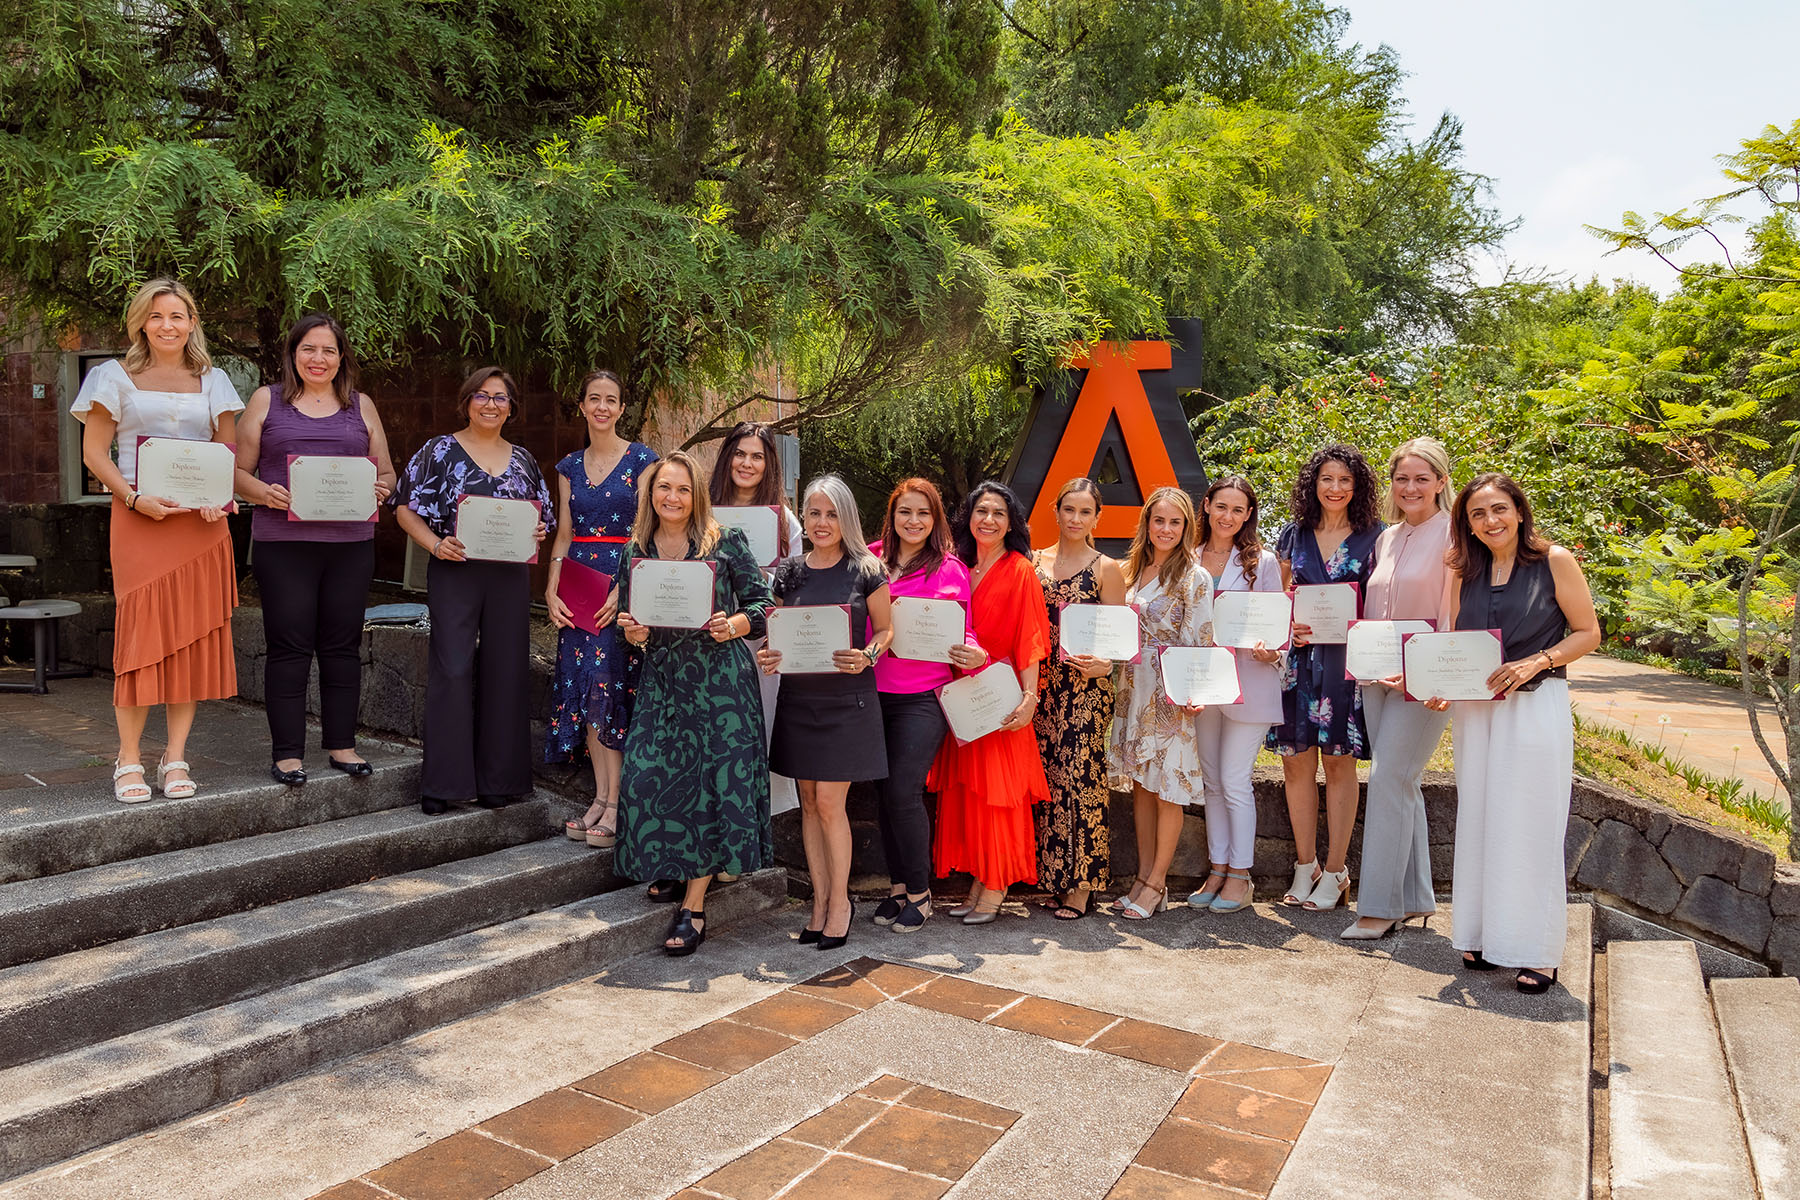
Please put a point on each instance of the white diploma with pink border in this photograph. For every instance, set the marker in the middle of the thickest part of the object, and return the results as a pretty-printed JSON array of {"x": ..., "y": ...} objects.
[
  {"x": 1454, "y": 665},
  {"x": 190, "y": 473},
  {"x": 762, "y": 528},
  {"x": 1327, "y": 609},
  {"x": 1100, "y": 631},
  {"x": 331, "y": 487},
  {"x": 496, "y": 529},
  {"x": 672, "y": 593},
  {"x": 807, "y": 636},
  {"x": 1372, "y": 650},
  {"x": 926, "y": 629},
  {"x": 976, "y": 704},
  {"x": 1198, "y": 675},
  {"x": 1242, "y": 619}
]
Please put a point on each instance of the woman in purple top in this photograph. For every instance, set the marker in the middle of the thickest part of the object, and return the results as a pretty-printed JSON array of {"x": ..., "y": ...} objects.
[
  {"x": 477, "y": 742},
  {"x": 313, "y": 575}
]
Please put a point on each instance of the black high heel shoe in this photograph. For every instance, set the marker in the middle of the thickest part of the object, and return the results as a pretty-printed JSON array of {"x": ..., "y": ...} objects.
[
  {"x": 432, "y": 806},
  {"x": 1475, "y": 963},
  {"x": 682, "y": 930},
  {"x": 294, "y": 778},
  {"x": 832, "y": 943},
  {"x": 355, "y": 770},
  {"x": 1535, "y": 983}
]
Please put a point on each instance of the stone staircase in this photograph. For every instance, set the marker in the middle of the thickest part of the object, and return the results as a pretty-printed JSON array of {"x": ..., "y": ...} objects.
[{"x": 159, "y": 960}]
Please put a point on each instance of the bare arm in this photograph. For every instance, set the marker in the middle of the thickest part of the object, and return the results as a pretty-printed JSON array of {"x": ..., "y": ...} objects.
[
  {"x": 378, "y": 449},
  {"x": 249, "y": 455}
]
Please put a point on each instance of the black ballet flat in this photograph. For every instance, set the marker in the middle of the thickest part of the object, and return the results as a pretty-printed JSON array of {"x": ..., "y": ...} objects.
[
  {"x": 294, "y": 778},
  {"x": 664, "y": 891},
  {"x": 432, "y": 806},
  {"x": 1477, "y": 963},
  {"x": 1535, "y": 983},
  {"x": 495, "y": 801},
  {"x": 355, "y": 770},
  {"x": 682, "y": 930}
]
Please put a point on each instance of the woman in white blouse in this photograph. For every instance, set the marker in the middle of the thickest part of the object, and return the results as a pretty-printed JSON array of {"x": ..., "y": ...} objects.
[{"x": 174, "y": 576}]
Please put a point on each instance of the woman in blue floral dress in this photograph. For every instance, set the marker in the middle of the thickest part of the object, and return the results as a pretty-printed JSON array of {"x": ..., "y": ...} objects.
[
  {"x": 1330, "y": 540},
  {"x": 596, "y": 673}
]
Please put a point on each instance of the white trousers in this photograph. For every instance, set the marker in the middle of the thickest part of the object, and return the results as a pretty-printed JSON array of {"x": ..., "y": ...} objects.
[
  {"x": 1396, "y": 851},
  {"x": 1227, "y": 754},
  {"x": 783, "y": 795},
  {"x": 1514, "y": 762}
]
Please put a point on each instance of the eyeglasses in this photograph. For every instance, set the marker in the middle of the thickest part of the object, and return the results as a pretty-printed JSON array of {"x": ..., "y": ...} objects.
[{"x": 484, "y": 400}]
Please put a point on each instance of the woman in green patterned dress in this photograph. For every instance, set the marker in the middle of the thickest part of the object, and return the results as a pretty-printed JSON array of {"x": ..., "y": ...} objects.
[{"x": 695, "y": 795}]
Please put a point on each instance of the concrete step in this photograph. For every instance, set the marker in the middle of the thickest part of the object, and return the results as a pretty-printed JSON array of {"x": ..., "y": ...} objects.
[
  {"x": 1673, "y": 1124},
  {"x": 61, "y": 1106},
  {"x": 91, "y": 995},
  {"x": 57, "y": 914},
  {"x": 66, "y": 829},
  {"x": 1759, "y": 1022}
]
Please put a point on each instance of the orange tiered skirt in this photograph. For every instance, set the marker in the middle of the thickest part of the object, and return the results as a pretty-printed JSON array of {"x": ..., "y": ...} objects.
[
  {"x": 176, "y": 583},
  {"x": 985, "y": 793}
]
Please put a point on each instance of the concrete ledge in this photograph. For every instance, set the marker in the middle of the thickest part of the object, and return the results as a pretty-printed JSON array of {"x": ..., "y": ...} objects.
[{"x": 1759, "y": 1022}]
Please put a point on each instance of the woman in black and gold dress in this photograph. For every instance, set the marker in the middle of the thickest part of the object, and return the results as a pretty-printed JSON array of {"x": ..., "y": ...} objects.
[{"x": 1075, "y": 705}]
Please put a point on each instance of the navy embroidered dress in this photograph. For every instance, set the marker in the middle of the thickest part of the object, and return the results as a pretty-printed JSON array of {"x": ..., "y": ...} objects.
[
  {"x": 596, "y": 674},
  {"x": 1320, "y": 709}
]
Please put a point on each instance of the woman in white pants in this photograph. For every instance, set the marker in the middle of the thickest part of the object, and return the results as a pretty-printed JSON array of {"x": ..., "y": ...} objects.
[
  {"x": 1515, "y": 755},
  {"x": 1410, "y": 582},
  {"x": 1231, "y": 734}
]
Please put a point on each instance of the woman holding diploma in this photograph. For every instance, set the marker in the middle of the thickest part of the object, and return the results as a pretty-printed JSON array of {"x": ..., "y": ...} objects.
[
  {"x": 596, "y": 673},
  {"x": 1410, "y": 582},
  {"x": 313, "y": 575},
  {"x": 694, "y": 801},
  {"x": 1075, "y": 706},
  {"x": 1515, "y": 755},
  {"x": 987, "y": 787},
  {"x": 1155, "y": 747},
  {"x": 173, "y": 573},
  {"x": 1330, "y": 540},
  {"x": 1231, "y": 551},
  {"x": 916, "y": 551},
  {"x": 477, "y": 743},
  {"x": 828, "y": 731}
]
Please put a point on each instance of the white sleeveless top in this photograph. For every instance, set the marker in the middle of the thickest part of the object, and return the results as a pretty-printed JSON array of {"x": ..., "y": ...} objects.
[{"x": 140, "y": 413}]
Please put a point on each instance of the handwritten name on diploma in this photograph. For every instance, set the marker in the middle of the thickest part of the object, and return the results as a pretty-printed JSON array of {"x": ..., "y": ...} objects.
[
  {"x": 497, "y": 529},
  {"x": 807, "y": 636},
  {"x": 975, "y": 705},
  {"x": 193, "y": 474},
  {"x": 926, "y": 629},
  {"x": 672, "y": 593},
  {"x": 1453, "y": 665},
  {"x": 331, "y": 488}
]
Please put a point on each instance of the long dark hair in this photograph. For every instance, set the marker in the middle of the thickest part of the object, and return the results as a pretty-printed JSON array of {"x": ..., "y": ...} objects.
[
  {"x": 1248, "y": 543},
  {"x": 343, "y": 383},
  {"x": 1468, "y": 554},
  {"x": 720, "y": 489},
  {"x": 937, "y": 543},
  {"x": 1018, "y": 524},
  {"x": 1307, "y": 510}
]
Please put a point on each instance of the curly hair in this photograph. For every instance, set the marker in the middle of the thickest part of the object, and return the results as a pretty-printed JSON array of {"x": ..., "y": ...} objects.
[
  {"x": 1018, "y": 523},
  {"x": 1304, "y": 503}
]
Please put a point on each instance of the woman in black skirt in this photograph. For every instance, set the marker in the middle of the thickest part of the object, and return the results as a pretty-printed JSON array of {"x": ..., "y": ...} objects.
[{"x": 828, "y": 731}]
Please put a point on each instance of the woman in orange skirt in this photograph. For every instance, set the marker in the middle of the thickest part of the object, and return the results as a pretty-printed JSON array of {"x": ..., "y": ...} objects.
[
  {"x": 173, "y": 573},
  {"x": 987, "y": 787}
]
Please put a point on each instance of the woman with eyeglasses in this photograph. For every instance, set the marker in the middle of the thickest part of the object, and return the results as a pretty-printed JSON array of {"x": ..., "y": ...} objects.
[{"x": 477, "y": 738}]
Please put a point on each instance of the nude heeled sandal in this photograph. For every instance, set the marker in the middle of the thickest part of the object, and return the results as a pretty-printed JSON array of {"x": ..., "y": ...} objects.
[{"x": 1330, "y": 890}]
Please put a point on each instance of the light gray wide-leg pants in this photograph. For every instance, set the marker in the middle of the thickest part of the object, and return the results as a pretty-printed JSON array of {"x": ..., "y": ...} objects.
[{"x": 1396, "y": 851}]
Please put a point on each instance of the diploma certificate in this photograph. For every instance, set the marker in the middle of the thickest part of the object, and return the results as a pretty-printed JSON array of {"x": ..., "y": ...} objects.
[
  {"x": 1453, "y": 665},
  {"x": 808, "y": 635},
  {"x": 324, "y": 487},
  {"x": 192, "y": 474},
  {"x": 925, "y": 630},
  {"x": 1200, "y": 675},
  {"x": 976, "y": 704},
  {"x": 761, "y": 525},
  {"x": 1328, "y": 609},
  {"x": 1242, "y": 619},
  {"x": 1372, "y": 649},
  {"x": 497, "y": 530},
  {"x": 1099, "y": 630},
  {"x": 673, "y": 593}
]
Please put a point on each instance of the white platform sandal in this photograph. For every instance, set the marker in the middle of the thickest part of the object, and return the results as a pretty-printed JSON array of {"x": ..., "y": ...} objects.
[
  {"x": 179, "y": 789},
  {"x": 130, "y": 793},
  {"x": 1305, "y": 880}
]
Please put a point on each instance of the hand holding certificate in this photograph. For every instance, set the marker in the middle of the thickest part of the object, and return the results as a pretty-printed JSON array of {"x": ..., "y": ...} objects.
[
  {"x": 1242, "y": 619},
  {"x": 1372, "y": 649},
  {"x": 761, "y": 525},
  {"x": 1099, "y": 631},
  {"x": 977, "y": 705},
  {"x": 807, "y": 638},
  {"x": 1452, "y": 666},
  {"x": 672, "y": 593},
  {"x": 1326, "y": 609},
  {"x": 926, "y": 630},
  {"x": 189, "y": 474},
  {"x": 324, "y": 487},
  {"x": 1195, "y": 676},
  {"x": 497, "y": 529},
  {"x": 583, "y": 592}
]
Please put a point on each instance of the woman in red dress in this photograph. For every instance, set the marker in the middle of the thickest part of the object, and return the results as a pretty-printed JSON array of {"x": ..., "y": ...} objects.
[{"x": 987, "y": 787}]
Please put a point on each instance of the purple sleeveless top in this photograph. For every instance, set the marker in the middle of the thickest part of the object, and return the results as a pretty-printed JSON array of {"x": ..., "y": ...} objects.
[{"x": 287, "y": 430}]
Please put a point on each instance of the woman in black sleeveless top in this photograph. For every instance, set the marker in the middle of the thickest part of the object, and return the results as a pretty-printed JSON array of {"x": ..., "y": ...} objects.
[{"x": 1515, "y": 755}]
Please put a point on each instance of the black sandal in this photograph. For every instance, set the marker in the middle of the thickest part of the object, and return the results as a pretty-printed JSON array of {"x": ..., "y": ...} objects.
[
  {"x": 682, "y": 930},
  {"x": 1067, "y": 912},
  {"x": 1476, "y": 963},
  {"x": 1535, "y": 983},
  {"x": 664, "y": 891}
]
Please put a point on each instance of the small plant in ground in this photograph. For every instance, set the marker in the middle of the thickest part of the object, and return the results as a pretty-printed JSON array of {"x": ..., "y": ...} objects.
[{"x": 1729, "y": 794}]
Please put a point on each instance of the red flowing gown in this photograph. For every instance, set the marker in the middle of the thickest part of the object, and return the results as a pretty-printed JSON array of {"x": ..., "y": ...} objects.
[{"x": 986, "y": 788}]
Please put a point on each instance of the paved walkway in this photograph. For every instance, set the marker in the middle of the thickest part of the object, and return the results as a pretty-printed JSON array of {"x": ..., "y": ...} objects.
[{"x": 1705, "y": 720}]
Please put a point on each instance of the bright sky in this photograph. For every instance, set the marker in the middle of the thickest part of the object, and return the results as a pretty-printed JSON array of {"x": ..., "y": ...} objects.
[{"x": 1582, "y": 109}]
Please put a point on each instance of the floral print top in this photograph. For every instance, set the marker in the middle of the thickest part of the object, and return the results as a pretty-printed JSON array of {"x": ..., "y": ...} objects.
[
  {"x": 1320, "y": 708},
  {"x": 1155, "y": 743},
  {"x": 442, "y": 473}
]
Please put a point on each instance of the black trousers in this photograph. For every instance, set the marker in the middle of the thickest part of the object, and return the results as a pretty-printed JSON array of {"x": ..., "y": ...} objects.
[
  {"x": 478, "y": 688},
  {"x": 313, "y": 597},
  {"x": 915, "y": 728}
]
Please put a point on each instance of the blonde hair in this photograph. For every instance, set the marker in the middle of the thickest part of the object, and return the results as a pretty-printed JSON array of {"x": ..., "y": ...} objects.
[
  {"x": 1186, "y": 556},
  {"x": 834, "y": 489},
  {"x": 644, "y": 526},
  {"x": 137, "y": 357},
  {"x": 1436, "y": 457}
]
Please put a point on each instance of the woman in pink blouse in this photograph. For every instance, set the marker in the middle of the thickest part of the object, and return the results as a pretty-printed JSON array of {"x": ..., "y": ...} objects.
[
  {"x": 915, "y": 548},
  {"x": 1410, "y": 582}
]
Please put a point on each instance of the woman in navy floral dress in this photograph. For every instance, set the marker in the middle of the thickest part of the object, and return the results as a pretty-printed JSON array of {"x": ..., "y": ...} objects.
[
  {"x": 1330, "y": 540},
  {"x": 477, "y": 739},
  {"x": 596, "y": 673}
]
